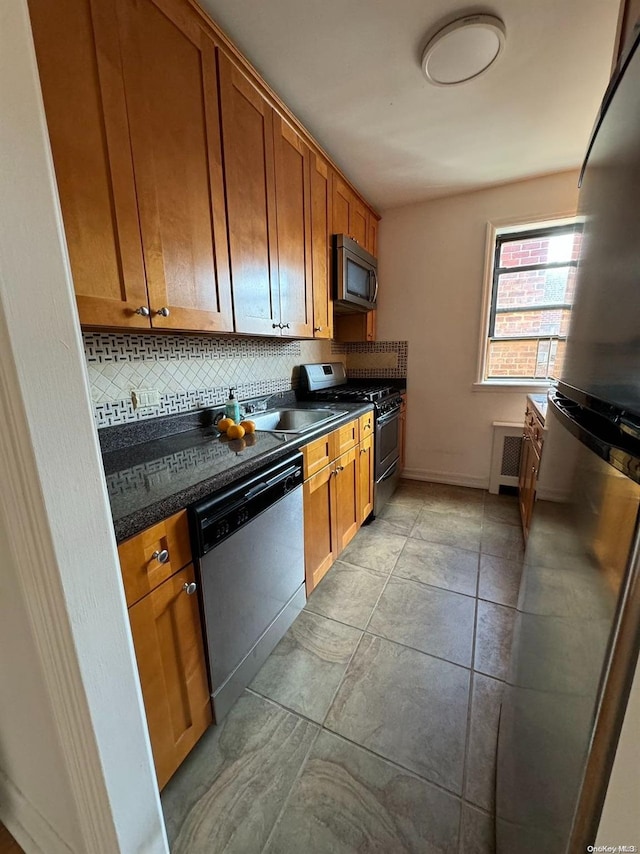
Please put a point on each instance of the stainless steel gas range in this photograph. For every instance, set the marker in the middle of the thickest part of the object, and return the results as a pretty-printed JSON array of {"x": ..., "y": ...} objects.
[{"x": 328, "y": 382}]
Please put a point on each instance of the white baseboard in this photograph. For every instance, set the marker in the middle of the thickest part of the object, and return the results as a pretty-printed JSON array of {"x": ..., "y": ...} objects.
[
  {"x": 17, "y": 814},
  {"x": 454, "y": 479}
]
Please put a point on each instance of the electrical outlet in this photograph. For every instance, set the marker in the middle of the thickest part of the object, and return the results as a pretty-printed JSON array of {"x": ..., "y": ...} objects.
[{"x": 145, "y": 398}]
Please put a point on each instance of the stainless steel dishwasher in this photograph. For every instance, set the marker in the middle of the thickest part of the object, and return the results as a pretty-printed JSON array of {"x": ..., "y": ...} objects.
[{"x": 248, "y": 540}]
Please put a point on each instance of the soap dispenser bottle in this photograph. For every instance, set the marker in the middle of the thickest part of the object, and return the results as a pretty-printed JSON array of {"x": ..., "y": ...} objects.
[{"x": 232, "y": 407}]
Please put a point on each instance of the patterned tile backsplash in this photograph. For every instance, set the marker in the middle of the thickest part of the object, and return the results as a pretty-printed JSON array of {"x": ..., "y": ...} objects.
[
  {"x": 376, "y": 359},
  {"x": 192, "y": 372}
]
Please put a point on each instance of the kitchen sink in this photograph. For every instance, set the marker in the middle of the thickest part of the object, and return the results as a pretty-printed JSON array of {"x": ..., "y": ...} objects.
[{"x": 292, "y": 420}]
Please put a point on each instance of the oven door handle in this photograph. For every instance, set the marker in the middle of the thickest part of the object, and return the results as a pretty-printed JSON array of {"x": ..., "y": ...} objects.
[
  {"x": 381, "y": 420},
  {"x": 390, "y": 471}
]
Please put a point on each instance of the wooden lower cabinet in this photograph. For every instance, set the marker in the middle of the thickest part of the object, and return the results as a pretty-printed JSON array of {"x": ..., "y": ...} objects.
[
  {"x": 167, "y": 637},
  {"x": 529, "y": 467},
  {"x": 337, "y": 499},
  {"x": 346, "y": 497},
  {"x": 320, "y": 540},
  {"x": 366, "y": 463}
]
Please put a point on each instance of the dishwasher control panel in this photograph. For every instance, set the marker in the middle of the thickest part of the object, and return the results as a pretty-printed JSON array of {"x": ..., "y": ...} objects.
[{"x": 226, "y": 511}]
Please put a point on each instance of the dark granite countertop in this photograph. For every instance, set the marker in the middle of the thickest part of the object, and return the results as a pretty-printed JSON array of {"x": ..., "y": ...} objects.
[{"x": 150, "y": 480}]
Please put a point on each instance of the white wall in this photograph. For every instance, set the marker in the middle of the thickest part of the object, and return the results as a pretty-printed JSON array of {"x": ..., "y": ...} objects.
[
  {"x": 432, "y": 258},
  {"x": 620, "y": 820},
  {"x": 34, "y": 784},
  {"x": 75, "y": 761}
]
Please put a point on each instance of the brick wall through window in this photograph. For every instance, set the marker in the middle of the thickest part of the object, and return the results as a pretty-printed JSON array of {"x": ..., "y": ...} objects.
[{"x": 533, "y": 289}]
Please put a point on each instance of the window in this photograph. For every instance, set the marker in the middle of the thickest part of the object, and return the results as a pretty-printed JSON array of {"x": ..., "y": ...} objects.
[{"x": 534, "y": 274}]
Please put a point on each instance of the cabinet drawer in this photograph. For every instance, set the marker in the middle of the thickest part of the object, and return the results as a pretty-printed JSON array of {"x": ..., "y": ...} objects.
[
  {"x": 346, "y": 437},
  {"x": 143, "y": 562},
  {"x": 317, "y": 455},
  {"x": 366, "y": 425}
]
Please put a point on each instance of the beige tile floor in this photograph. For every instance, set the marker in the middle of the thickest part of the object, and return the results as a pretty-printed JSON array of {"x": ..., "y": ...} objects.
[{"x": 372, "y": 726}]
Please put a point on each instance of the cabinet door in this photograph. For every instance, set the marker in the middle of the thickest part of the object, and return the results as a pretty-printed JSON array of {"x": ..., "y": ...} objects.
[
  {"x": 346, "y": 498},
  {"x": 171, "y": 87},
  {"x": 293, "y": 216},
  {"x": 372, "y": 239},
  {"x": 167, "y": 637},
  {"x": 78, "y": 55},
  {"x": 247, "y": 142},
  {"x": 529, "y": 493},
  {"x": 340, "y": 206},
  {"x": 529, "y": 465},
  {"x": 358, "y": 221},
  {"x": 356, "y": 327},
  {"x": 365, "y": 478},
  {"x": 320, "y": 544},
  {"x": 320, "y": 230}
]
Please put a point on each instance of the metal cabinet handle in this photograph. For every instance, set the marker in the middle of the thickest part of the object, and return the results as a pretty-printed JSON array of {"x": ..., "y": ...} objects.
[
  {"x": 161, "y": 556},
  {"x": 339, "y": 468},
  {"x": 276, "y": 325},
  {"x": 190, "y": 588},
  {"x": 317, "y": 328},
  {"x": 143, "y": 311},
  {"x": 163, "y": 312},
  {"x": 284, "y": 326}
]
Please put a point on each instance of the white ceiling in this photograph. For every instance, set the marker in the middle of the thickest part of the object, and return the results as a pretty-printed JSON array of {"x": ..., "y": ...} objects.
[{"x": 350, "y": 70}]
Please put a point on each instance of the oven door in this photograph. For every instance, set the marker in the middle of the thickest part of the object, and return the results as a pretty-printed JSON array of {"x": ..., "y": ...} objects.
[{"x": 387, "y": 441}]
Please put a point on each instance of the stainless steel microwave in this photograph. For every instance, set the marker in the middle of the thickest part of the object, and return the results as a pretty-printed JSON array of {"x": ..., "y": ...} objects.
[{"x": 355, "y": 276}]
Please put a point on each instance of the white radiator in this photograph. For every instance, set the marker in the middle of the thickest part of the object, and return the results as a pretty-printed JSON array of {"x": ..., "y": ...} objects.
[{"x": 505, "y": 456}]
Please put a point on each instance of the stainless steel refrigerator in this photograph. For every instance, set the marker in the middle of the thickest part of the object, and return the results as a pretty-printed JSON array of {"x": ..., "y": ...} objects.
[{"x": 577, "y": 629}]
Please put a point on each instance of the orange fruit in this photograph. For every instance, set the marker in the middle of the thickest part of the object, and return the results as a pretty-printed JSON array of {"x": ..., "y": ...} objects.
[
  {"x": 225, "y": 423},
  {"x": 235, "y": 431},
  {"x": 249, "y": 426}
]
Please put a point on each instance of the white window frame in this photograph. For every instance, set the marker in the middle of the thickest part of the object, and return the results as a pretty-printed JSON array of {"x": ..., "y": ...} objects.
[{"x": 495, "y": 228}]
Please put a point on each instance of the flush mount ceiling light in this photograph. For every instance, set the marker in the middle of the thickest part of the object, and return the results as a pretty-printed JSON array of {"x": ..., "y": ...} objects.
[{"x": 463, "y": 50}]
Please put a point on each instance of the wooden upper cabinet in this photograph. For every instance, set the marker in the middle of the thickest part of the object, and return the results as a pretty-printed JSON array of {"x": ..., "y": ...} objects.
[
  {"x": 372, "y": 240},
  {"x": 293, "y": 217},
  {"x": 350, "y": 216},
  {"x": 341, "y": 197},
  {"x": 171, "y": 86},
  {"x": 356, "y": 327},
  {"x": 78, "y": 57},
  {"x": 247, "y": 142},
  {"x": 191, "y": 199},
  {"x": 320, "y": 231},
  {"x": 359, "y": 221}
]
